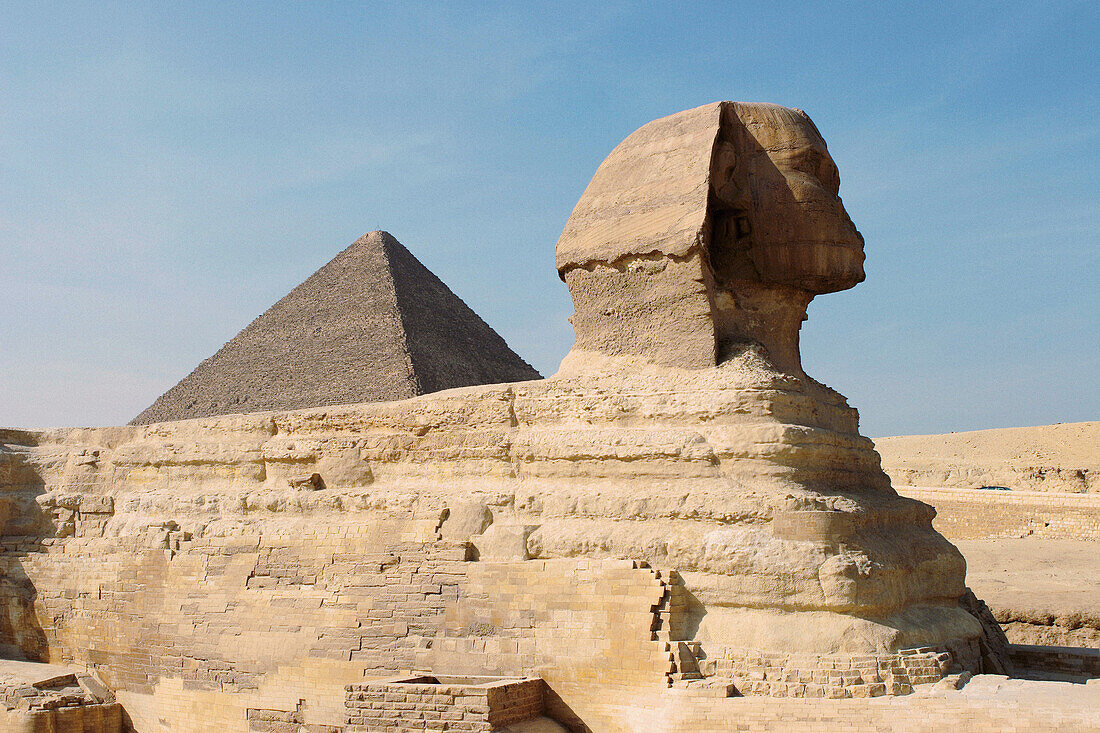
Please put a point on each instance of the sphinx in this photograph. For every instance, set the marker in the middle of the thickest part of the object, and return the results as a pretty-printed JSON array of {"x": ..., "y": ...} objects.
[
  {"x": 691, "y": 258},
  {"x": 680, "y": 433}
]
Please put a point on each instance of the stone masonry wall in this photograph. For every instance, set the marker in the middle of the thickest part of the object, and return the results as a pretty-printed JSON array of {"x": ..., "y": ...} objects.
[
  {"x": 839, "y": 676},
  {"x": 984, "y": 513},
  {"x": 101, "y": 718},
  {"x": 227, "y": 623},
  {"x": 589, "y": 628},
  {"x": 278, "y": 621},
  {"x": 578, "y": 620},
  {"x": 390, "y": 705},
  {"x": 1069, "y": 661},
  {"x": 242, "y": 630},
  {"x": 217, "y": 585}
]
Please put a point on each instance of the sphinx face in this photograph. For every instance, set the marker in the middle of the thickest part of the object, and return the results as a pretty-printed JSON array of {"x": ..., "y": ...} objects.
[
  {"x": 705, "y": 231},
  {"x": 776, "y": 215}
]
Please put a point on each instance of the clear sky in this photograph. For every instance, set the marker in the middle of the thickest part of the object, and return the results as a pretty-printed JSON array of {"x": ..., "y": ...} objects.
[{"x": 170, "y": 170}]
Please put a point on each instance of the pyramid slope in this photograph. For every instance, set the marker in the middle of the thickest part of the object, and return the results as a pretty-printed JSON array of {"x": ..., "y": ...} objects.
[
  {"x": 343, "y": 336},
  {"x": 449, "y": 344}
]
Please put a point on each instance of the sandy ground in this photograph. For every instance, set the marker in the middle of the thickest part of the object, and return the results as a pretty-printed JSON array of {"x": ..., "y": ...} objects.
[
  {"x": 1028, "y": 581},
  {"x": 1059, "y": 577},
  {"x": 1041, "y": 591},
  {"x": 1063, "y": 444}
]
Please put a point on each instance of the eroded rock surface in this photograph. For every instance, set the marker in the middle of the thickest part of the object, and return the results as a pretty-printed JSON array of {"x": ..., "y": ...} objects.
[
  {"x": 43, "y": 697},
  {"x": 706, "y": 231}
]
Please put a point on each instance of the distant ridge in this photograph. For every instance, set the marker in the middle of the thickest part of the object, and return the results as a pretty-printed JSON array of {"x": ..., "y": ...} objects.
[
  {"x": 1060, "y": 457},
  {"x": 372, "y": 325}
]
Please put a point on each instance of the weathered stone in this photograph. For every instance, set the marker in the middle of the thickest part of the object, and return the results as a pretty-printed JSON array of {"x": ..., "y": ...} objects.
[
  {"x": 465, "y": 519},
  {"x": 504, "y": 542},
  {"x": 705, "y": 231},
  {"x": 46, "y": 697}
]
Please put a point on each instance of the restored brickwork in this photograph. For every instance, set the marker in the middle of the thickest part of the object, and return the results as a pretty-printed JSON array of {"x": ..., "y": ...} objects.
[
  {"x": 985, "y": 513},
  {"x": 1068, "y": 661},
  {"x": 838, "y": 676},
  {"x": 435, "y": 704},
  {"x": 279, "y": 622},
  {"x": 285, "y": 721},
  {"x": 249, "y": 621},
  {"x": 44, "y": 698},
  {"x": 264, "y": 631},
  {"x": 102, "y": 718},
  {"x": 585, "y": 621}
]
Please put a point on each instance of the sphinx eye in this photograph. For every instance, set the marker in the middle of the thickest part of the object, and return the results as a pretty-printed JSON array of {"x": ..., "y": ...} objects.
[{"x": 726, "y": 159}]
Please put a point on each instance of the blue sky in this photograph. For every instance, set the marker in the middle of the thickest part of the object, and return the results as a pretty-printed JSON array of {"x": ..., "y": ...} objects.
[{"x": 170, "y": 170}]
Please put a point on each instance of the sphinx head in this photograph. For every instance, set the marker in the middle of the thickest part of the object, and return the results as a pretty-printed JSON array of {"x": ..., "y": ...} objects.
[
  {"x": 775, "y": 214},
  {"x": 705, "y": 231}
]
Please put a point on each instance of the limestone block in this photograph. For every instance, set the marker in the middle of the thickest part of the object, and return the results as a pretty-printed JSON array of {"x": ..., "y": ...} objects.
[
  {"x": 504, "y": 542},
  {"x": 465, "y": 519},
  {"x": 659, "y": 306}
]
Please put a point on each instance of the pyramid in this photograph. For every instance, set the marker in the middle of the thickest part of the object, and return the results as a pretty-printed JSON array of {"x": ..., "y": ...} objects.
[{"x": 372, "y": 325}]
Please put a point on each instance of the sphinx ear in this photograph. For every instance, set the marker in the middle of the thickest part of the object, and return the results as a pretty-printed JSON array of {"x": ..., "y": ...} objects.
[
  {"x": 723, "y": 173},
  {"x": 724, "y": 161}
]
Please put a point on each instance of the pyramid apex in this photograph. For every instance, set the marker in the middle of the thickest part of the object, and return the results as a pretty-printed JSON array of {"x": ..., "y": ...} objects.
[{"x": 378, "y": 235}]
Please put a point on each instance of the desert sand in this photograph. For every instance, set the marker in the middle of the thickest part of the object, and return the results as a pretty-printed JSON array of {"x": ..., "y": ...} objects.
[
  {"x": 1060, "y": 457},
  {"x": 1043, "y": 590}
]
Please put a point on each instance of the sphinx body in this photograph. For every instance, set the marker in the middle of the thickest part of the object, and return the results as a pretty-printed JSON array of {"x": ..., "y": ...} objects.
[
  {"x": 751, "y": 483},
  {"x": 680, "y": 432},
  {"x": 697, "y": 247}
]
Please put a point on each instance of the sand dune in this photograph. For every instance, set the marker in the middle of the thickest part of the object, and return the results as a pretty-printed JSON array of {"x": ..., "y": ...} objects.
[{"x": 1060, "y": 457}]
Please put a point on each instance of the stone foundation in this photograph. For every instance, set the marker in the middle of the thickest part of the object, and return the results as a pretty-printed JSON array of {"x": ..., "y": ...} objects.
[
  {"x": 837, "y": 676},
  {"x": 247, "y": 626},
  {"x": 43, "y": 698},
  {"x": 432, "y": 704},
  {"x": 964, "y": 514},
  {"x": 1044, "y": 661}
]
